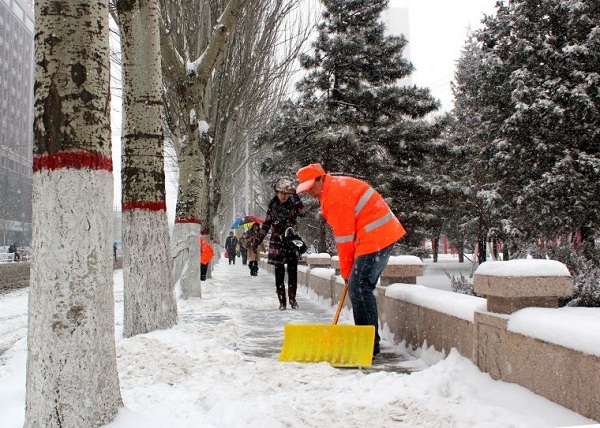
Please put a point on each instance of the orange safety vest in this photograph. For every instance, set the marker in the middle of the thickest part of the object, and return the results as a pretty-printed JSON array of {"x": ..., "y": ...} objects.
[
  {"x": 361, "y": 220},
  {"x": 206, "y": 252}
]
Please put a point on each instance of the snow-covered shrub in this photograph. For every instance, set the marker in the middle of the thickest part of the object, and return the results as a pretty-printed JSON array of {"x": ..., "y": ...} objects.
[
  {"x": 587, "y": 288},
  {"x": 585, "y": 271},
  {"x": 461, "y": 284}
]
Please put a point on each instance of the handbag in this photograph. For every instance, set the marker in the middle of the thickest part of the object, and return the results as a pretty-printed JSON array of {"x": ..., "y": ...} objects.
[{"x": 293, "y": 245}]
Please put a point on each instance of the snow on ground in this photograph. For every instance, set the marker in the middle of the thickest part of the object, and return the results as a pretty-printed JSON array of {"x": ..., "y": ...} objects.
[{"x": 218, "y": 368}]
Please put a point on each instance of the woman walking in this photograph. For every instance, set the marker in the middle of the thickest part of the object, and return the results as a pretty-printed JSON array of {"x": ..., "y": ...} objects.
[
  {"x": 283, "y": 211},
  {"x": 250, "y": 237}
]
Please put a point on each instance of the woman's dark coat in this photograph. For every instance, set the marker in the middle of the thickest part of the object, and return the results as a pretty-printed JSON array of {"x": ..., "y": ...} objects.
[{"x": 279, "y": 217}]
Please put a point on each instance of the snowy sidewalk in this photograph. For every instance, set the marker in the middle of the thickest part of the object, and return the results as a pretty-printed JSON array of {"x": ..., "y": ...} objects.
[
  {"x": 218, "y": 368},
  {"x": 256, "y": 306}
]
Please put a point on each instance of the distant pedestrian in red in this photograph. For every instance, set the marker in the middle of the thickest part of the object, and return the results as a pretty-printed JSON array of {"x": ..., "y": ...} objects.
[{"x": 206, "y": 255}]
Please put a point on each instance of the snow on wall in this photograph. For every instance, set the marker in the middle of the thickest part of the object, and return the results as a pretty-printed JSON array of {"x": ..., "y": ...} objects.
[
  {"x": 458, "y": 305},
  {"x": 523, "y": 267}
]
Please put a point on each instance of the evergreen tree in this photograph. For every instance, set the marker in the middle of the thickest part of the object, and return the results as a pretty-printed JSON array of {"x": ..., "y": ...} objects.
[
  {"x": 476, "y": 204},
  {"x": 545, "y": 56},
  {"x": 353, "y": 116}
]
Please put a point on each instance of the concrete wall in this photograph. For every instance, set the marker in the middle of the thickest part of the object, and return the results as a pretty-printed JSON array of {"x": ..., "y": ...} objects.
[
  {"x": 447, "y": 320},
  {"x": 14, "y": 275}
]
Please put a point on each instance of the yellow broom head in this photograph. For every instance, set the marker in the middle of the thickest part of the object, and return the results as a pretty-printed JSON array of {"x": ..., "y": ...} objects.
[{"x": 339, "y": 345}]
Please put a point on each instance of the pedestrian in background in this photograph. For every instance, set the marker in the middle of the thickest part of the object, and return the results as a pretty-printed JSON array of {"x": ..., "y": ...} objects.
[
  {"x": 231, "y": 247},
  {"x": 206, "y": 255},
  {"x": 243, "y": 249},
  {"x": 250, "y": 238},
  {"x": 13, "y": 249}
]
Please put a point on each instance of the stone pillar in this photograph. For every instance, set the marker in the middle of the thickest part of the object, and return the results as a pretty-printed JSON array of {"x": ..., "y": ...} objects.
[
  {"x": 510, "y": 286},
  {"x": 318, "y": 260},
  {"x": 402, "y": 269},
  {"x": 319, "y": 282},
  {"x": 517, "y": 284},
  {"x": 335, "y": 264}
]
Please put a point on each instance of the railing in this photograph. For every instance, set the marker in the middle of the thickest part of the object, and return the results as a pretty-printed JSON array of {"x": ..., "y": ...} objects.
[{"x": 7, "y": 257}]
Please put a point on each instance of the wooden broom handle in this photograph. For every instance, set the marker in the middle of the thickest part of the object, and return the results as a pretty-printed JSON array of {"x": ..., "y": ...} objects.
[{"x": 339, "y": 308}]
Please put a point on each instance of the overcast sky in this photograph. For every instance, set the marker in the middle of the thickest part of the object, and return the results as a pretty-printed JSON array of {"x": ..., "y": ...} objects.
[{"x": 438, "y": 30}]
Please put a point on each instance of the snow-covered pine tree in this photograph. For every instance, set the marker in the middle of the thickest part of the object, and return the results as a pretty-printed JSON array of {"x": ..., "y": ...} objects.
[
  {"x": 545, "y": 56},
  {"x": 72, "y": 378},
  {"x": 476, "y": 210},
  {"x": 148, "y": 295},
  {"x": 352, "y": 115}
]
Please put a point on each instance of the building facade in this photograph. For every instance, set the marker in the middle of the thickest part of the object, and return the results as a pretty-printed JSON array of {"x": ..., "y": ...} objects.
[{"x": 16, "y": 120}]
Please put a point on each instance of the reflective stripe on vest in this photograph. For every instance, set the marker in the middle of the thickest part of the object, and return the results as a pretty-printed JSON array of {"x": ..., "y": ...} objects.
[
  {"x": 363, "y": 201},
  {"x": 379, "y": 222},
  {"x": 343, "y": 239}
]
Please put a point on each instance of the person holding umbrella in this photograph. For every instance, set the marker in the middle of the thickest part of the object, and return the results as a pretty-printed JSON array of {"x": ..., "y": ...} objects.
[
  {"x": 365, "y": 231},
  {"x": 282, "y": 213},
  {"x": 250, "y": 237}
]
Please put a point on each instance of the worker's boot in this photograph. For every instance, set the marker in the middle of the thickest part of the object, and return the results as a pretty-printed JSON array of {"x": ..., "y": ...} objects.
[{"x": 292, "y": 296}]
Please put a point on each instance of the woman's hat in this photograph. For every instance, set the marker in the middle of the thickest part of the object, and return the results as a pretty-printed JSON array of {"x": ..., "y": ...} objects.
[{"x": 284, "y": 185}]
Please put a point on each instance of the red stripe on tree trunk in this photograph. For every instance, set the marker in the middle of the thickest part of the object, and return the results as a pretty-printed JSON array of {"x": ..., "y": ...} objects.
[
  {"x": 148, "y": 206},
  {"x": 187, "y": 220},
  {"x": 73, "y": 160}
]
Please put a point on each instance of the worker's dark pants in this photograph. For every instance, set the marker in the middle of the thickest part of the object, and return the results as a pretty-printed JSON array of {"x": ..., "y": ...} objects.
[{"x": 361, "y": 287}]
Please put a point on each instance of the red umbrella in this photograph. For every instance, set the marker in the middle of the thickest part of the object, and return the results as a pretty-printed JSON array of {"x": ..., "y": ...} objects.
[{"x": 242, "y": 221}]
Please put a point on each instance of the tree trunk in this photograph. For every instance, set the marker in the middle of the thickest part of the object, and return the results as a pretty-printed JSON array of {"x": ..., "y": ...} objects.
[
  {"x": 481, "y": 253},
  {"x": 505, "y": 252},
  {"x": 588, "y": 241},
  {"x": 186, "y": 234},
  {"x": 322, "y": 242},
  {"x": 193, "y": 156},
  {"x": 72, "y": 378},
  {"x": 149, "y": 299}
]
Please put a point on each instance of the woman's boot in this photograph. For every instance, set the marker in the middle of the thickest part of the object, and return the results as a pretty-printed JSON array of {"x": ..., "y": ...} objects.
[
  {"x": 281, "y": 297},
  {"x": 280, "y": 285},
  {"x": 292, "y": 296},
  {"x": 292, "y": 271}
]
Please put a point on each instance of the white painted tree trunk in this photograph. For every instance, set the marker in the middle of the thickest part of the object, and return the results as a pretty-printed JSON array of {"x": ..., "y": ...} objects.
[
  {"x": 72, "y": 378},
  {"x": 186, "y": 253},
  {"x": 187, "y": 229},
  {"x": 149, "y": 298}
]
